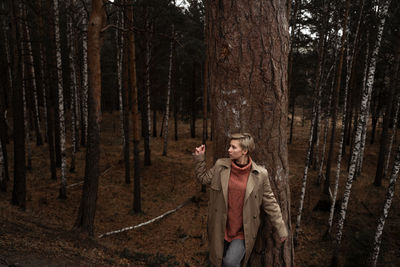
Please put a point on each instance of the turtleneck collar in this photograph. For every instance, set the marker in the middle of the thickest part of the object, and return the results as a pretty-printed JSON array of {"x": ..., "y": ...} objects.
[{"x": 239, "y": 169}]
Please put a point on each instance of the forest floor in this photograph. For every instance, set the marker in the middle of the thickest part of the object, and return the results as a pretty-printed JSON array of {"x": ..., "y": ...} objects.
[{"x": 43, "y": 234}]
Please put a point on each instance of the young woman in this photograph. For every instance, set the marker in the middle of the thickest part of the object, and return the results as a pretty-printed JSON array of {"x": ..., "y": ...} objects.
[{"x": 239, "y": 188}]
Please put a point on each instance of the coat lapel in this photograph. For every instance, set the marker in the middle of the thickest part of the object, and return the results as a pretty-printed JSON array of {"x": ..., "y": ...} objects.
[
  {"x": 225, "y": 173},
  {"x": 250, "y": 185},
  {"x": 251, "y": 182}
]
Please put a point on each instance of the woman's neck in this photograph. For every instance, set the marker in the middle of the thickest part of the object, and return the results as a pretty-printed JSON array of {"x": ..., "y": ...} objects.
[{"x": 242, "y": 160}]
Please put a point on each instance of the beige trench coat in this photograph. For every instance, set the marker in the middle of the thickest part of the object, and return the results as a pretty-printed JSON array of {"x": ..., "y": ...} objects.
[{"x": 258, "y": 194}]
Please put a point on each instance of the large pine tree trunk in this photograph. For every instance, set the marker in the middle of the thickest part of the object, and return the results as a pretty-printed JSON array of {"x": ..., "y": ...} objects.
[
  {"x": 168, "y": 92},
  {"x": 361, "y": 122},
  {"x": 87, "y": 208},
  {"x": 61, "y": 115},
  {"x": 248, "y": 84},
  {"x": 19, "y": 188}
]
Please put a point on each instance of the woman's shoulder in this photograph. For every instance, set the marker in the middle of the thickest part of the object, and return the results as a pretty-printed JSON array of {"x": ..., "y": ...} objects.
[
  {"x": 259, "y": 168},
  {"x": 226, "y": 162}
]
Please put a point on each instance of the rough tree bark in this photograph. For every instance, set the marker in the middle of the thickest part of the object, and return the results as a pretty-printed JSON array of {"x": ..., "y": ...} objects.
[
  {"x": 87, "y": 208},
  {"x": 248, "y": 84}
]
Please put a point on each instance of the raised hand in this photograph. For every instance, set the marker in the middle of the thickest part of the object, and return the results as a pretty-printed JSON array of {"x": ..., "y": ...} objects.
[{"x": 200, "y": 150}]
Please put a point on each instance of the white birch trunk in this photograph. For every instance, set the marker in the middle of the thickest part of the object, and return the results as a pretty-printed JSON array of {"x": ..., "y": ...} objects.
[
  {"x": 396, "y": 114},
  {"x": 307, "y": 163},
  {"x": 360, "y": 156},
  {"x": 360, "y": 123},
  {"x": 85, "y": 77},
  {"x": 63, "y": 185},
  {"x": 120, "y": 51},
  {"x": 34, "y": 85},
  {"x": 168, "y": 92},
  {"x": 385, "y": 211},
  {"x": 73, "y": 88}
]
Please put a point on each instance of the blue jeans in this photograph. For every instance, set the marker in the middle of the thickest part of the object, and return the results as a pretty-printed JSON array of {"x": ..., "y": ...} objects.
[{"x": 233, "y": 253}]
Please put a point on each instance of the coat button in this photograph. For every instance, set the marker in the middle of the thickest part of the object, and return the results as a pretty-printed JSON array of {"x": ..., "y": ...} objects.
[
  {"x": 255, "y": 216},
  {"x": 255, "y": 196}
]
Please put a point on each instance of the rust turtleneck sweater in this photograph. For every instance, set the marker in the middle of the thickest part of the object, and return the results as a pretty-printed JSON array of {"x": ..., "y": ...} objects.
[{"x": 236, "y": 192}]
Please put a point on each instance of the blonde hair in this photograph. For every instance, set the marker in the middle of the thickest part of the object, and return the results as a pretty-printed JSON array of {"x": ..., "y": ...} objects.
[{"x": 246, "y": 141}]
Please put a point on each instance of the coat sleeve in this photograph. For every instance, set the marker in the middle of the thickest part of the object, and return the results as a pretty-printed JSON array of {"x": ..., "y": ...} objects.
[
  {"x": 200, "y": 169},
  {"x": 271, "y": 207}
]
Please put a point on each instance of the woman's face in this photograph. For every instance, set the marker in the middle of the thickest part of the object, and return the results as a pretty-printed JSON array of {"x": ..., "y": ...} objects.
[{"x": 236, "y": 151}]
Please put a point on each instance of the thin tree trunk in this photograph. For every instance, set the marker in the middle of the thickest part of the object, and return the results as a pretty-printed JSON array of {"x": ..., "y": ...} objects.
[
  {"x": 155, "y": 124},
  {"x": 85, "y": 79},
  {"x": 362, "y": 119},
  {"x": 38, "y": 130},
  {"x": 73, "y": 86},
  {"x": 146, "y": 115},
  {"x": 168, "y": 91},
  {"x": 193, "y": 103},
  {"x": 175, "y": 114},
  {"x": 3, "y": 104},
  {"x": 63, "y": 185},
  {"x": 24, "y": 79},
  {"x": 87, "y": 208},
  {"x": 120, "y": 51},
  {"x": 385, "y": 211},
  {"x": 50, "y": 125},
  {"x": 396, "y": 114},
  {"x": 305, "y": 174},
  {"x": 19, "y": 188},
  {"x": 360, "y": 158},
  {"x": 386, "y": 120},
  {"x": 137, "y": 204},
  {"x": 42, "y": 71},
  {"x": 125, "y": 104},
  {"x": 335, "y": 104}
]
